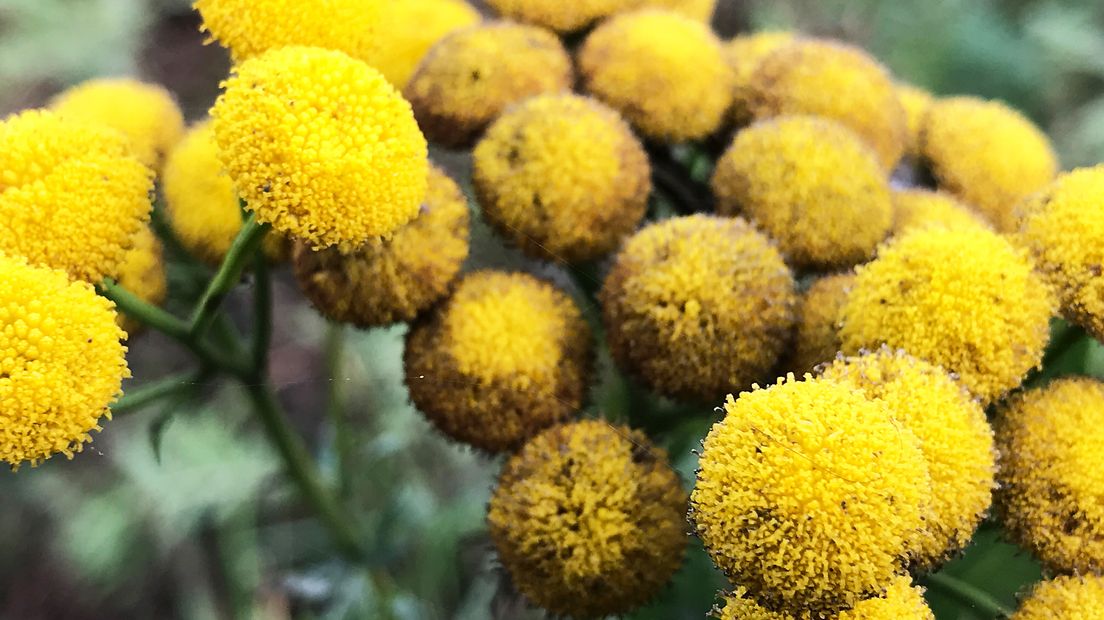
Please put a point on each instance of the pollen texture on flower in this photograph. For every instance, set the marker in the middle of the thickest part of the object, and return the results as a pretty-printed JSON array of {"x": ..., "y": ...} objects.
[
  {"x": 556, "y": 14},
  {"x": 321, "y": 146},
  {"x": 562, "y": 177},
  {"x": 502, "y": 358},
  {"x": 744, "y": 53},
  {"x": 964, "y": 299},
  {"x": 810, "y": 184},
  {"x": 698, "y": 306},
  {"x": 1065, "y": 597},
  {"x": 901, "y": 601},
  {"x": 664, "y": 72},
  {"x": 808, "y": 495},
  {"x": 919, "y": 208},
  {"x": 394, "y": 279},
  {"x": 64, "y": 362},
  {"x": 589, "y": 519},
  {"x": 816, "y": 338},
  {"x": 409, "y": 28},
  {"x": 142, "y": 272}
]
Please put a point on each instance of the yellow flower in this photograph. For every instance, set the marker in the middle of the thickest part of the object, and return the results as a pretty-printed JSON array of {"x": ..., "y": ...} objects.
[
  {"x": 954, "y": 435},
  {"x": 562, "y": 177},
  {"x": 810, "y": 184},
  {"x": 410, "y": 28},
  {"x": 919, "y": 208},
  {"x": 916, "y": 102},
  {"x": 589, "y": 519},
  {"x": 63, "y": 363},
  {"x": 556, "y": 14},
  {"x": 251, "y": 27},
  {"x": 1051, "y": 496},
  {"x": 987, "y": 154},
  {"x": 808, "y": 494},
  {"x": 1065, "y": 598},
  {"x": 836, "y": 81},
  {"x": 1063, "y": 225},
  {"x": 816, "y": 339},
  {"x": 701, "y": 10},
  {"x": 391, "y": 280},
  {"x": 471, "y": 76},
  {"x": 744, "y": 53},
  {"x": 321, "y": 146},
  {"x": 963, "y": 299},
  {"x": 143, "y": 273},
  {"x": 72, "y": 196},
  {"x": 504, "y": 357},
  {"x": 698, "y": 306},
  {"x": 901, "y": 601},
  {"x": 665, "y": 72}
]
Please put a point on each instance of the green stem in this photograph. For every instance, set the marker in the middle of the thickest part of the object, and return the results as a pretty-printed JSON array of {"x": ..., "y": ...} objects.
[
  {"x": 976, "y": 598},
  {"x": 229, "y": 273},
  {"x": 334, "y": 347},
  {"x": 262, "y": 315},
  {"x": 136, "y": 398}
]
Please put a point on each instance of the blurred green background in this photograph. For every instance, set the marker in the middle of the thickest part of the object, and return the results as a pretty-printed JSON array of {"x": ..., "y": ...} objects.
[{"x": 179, "y": 511}]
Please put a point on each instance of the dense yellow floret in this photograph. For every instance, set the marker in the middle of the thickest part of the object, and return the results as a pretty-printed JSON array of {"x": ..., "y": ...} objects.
[
  {"x": 1051, "y": 497},
  {"x": 837, "y": 81},
  {"x": 744, "y": 53},
  {"x": 665, "y": 72},
  {"x": 810, "y": 184},
  {"x": 502, "y": 358},
  {"x": 916, "y": 102},
  {"x": 321, "y": 146},
  {"x": 556, "y": 14},
  {"x": 146, "y": 113},
  {"x": 251, "y": 27},
  {"x": 63, "y": 363},
  {"x": 394, "y": 279},
  {"x": 901, "y": 601},
  {"x": 701, "y": 10},
  {"x": 72, "y": 195},
  {"x": 562, "y": 177},
  {"x": 808, "y": 494},
  {"x": 919, "y": 208},
  {"x": 987, "y": 154},
  {"x": 471, "y": 76},
  {"x": 954, "y": 435},
  {"x": 963, "y": 299},
  {"x": 698, "y": 306},
  {"x": 409, "y": 28},
  {"x": 1063, "y": 225},
  {"x": 142, "y": 272},
  {"x": 589, "y": 519},
  {"x": 1065, "y": 598},
  {"x": 816, "y": 338}
]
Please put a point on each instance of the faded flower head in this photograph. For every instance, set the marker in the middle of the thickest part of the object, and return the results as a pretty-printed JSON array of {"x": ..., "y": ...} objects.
[
  {"x": 901, "y": 601},
  {"x": 744, "y": 53}
]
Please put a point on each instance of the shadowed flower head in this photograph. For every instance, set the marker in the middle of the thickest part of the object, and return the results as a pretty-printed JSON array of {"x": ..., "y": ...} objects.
[
  {"x": 142, "y": 272},
  {"x": 919, "y": 208},
  {"x": 916, "y": 102},
  {"x": 1078, "y": 597},
  {"x": 744, "y": 53},
  {"x": 816, "y": 338},
  {"x": 409, "y": 28},
  {"x": 901, "y": 601},
  {"x": 556, "y": 14}
]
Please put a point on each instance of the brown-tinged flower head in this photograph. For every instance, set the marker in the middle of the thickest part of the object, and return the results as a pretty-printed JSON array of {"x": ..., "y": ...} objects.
[
  {"x": 901, "y": 601},
  {"x": 1065, "y": 598},
  {"x": 744, "y": 53},
  {"x": 409, "y": 28},
  {"x": 562, "y": 177},
  {"x": 916, "y": 102},
  {"x": 919, "y": 208},
  {"x": 469, "y": 77},
  {"x": 809, "y": 183},
  {"x": 505, "y": 356},
  {"x": 698, "y": 306},
  {"x": 664, "y": 72},
  {"x": 393, "y": 279},
  {"x": 816, "y": 337},
  {"x": 556, "y": 14},
  {"x": 589, "y": 519},
  {"x": 142, "y": 272}
]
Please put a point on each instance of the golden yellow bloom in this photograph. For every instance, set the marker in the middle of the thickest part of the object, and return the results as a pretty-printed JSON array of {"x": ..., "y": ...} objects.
[
  {"x": 987, "y": 154},
  {"x": 72, "y": 196},
  {"x": 810, "y": 184},
  {"x": 919, "y": 208},
  {"x": 251, "y": 27},
  {"x": 963, "y": 299},
  {"x": 744, "y": 53},
  {"x": 916, "y": 102},
  {"x": 143, "y": 273},
  {"x": 698, "y": 306},
  {"x": 1063, "y": 225},
  {"x": 701, "y": 10},
  {"x": 63, "y": 364},
  {"x": 1065, "y": 598},
  {"x": 901, "y": 601},
  {"x": 504, "y": 357},
  {"x": 146, "y": 113},
  {"x": 589, "y": 519},
  {"x": 556, "y": 14},
  {"x": 1051, "y": 496},
  {"x": 471, "y": 76},
  {"x": 394, "y": 279},
  {"x": 954, "y": 435},
  {"x": 816, "y": 339},
  {"x": 665, "y": 72},
  {"x": 808, "y": 494},
  {"x": 321, "y": 146},
  {"x": 836, "y": 81},
  {"x": 410, "y": 28},
  {"x": 562, "y": 177}
]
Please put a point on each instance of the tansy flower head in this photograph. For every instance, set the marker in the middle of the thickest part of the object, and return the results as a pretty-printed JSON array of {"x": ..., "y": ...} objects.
[
  {"x": 901, "y": 601},
  {"x": 816, "y": 338},
  {"x": 916, "y": 102},
  {"x": 142, "y": 272},
  {"x": 963, "y": 299},
  {"x": 502, "y": 358},
  {"x": 409, "y": 28},
  {"x": 145, "y": 113},
  {"x": 955, "y": 438},
  {"x": 389, "y": 280},
  {"x": 320, "y": 146},
  {"x": 562, "y": 177},
  {"x": 1051, "y": 497},
  {"x": 808, "y": 494},
  {"x": 72, "y": 195},
  {"x": 744, "y": 53},
  {"x": 1066, "y": 598},
  {"x": 701, "y": 10},
  {"x": 64, "y": 362},
  {"x": 918, "y": 208},
  {"x": 665, "y": 72},
  {"x": 987, "y": 154},
  {"x": 810, "y": 184},
  {"x": 836, "y": 81},
  {"x": 698, "y": 306},
  {"x": 1063, "y": 225},
  {"x": 556, "y": 14},
  {"x": 589, "y": 519},
  {"x": 469, "y": 77}
]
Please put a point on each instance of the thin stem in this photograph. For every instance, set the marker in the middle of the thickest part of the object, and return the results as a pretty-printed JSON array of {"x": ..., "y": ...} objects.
[
  {"x": 262, "y": 315},
  {"x": 153, "y": 391},
  {"x": 334, "y": 347},
  {"x": 229, "y": 273},
  {"x": 976, "y": 598}
]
